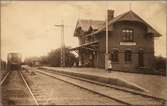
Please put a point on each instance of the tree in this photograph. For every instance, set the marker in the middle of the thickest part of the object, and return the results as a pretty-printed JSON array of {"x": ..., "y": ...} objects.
[
  {"x": 54, "y": 57},
  {"x": 70, "y": 58},
  {"x": 43, "y": 60}
]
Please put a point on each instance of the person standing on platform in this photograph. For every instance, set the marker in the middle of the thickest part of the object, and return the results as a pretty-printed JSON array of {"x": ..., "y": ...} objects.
[{"x": 109, "y": 66}]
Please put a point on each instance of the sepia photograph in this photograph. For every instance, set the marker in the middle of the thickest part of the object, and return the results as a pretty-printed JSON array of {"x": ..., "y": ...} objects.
[{"x": 83, "y": 53}]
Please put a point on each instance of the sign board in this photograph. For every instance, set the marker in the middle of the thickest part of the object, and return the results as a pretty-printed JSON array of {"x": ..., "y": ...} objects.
[{"x": 128, "y": 43}]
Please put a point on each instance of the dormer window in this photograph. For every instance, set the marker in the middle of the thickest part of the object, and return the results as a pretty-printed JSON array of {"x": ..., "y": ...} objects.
[
  {"x": 89, "y": 30},
  {"x": 128, "y": 35},
  {"x": 78, "y": 29}
]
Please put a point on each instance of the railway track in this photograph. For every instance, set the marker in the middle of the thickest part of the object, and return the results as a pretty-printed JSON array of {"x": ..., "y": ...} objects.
[
  {"x": 119, "y": 95},
  {"x": 4, "y": 77},
  {"x": 16, "y": 91},
  {"x": 64, "y": 93}
]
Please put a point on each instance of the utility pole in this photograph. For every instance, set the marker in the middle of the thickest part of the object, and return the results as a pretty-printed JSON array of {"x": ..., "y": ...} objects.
[
  {"x": 106, "y": 54},
  {"x": 62, "y": 44}
]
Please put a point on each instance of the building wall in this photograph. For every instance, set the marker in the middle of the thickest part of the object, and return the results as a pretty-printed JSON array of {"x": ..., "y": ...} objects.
[{"x": 115, "y": 37}]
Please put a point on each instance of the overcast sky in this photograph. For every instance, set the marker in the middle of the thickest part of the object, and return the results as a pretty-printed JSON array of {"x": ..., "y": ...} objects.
[{"x": 28, "y": 27}]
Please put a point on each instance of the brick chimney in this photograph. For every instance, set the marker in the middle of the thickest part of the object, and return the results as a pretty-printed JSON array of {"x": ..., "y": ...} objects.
[{"x": 110, "y": 14}]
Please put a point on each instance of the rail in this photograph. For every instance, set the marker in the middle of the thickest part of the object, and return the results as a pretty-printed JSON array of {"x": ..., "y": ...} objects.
[
  {"x": 116, "y": 99},
  {"x": 5, "y": 77},
  {"x": 36, "y": 102}
]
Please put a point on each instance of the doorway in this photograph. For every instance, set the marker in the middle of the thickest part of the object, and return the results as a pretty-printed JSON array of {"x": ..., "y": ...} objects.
[{"x": 141, "y": 58}]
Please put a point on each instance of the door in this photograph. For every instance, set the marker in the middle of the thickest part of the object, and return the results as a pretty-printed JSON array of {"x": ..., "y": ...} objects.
[{"x": 141, "y": 58}]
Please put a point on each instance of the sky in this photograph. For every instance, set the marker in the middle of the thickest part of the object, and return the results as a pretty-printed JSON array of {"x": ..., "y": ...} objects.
[{"x": 28, "y": 27}]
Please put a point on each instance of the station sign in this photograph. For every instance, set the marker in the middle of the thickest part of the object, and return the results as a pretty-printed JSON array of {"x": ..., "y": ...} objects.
[{"x": 128, "y": 43}]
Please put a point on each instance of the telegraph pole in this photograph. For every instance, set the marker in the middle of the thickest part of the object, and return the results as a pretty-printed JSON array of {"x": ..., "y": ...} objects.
[
  {"x": 62, "y": 44},
  {"x": 106, "y": 54}
]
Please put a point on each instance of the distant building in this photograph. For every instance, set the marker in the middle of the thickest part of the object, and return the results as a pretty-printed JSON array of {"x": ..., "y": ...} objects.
[{"x": 131, "y": 42}]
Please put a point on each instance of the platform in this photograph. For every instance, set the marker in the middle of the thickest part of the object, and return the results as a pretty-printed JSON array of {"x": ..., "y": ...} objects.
[{"x": 153, "y": 84}]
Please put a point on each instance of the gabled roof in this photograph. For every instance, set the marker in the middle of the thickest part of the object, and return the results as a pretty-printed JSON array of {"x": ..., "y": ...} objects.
[
  {"x": 129, "y": 16},
  {"x": 86, "y": 24}
]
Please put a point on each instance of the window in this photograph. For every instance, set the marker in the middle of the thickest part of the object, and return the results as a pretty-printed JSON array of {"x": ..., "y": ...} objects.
[
  {"x": 114, "y": 56},
  {"x": 90, "y": 30},
  {"x": 128, "y": 56},
  {"x": 141, "y": 57},
  {"x": 82, "y": 40},
  {"x": 79, "y": 31},
  {"x": 89, "y": 39},
  {"x": 128, "y": 35}
]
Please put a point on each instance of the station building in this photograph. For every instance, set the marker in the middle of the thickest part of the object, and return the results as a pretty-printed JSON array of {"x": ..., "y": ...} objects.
[{"x": 131, "y": 42}]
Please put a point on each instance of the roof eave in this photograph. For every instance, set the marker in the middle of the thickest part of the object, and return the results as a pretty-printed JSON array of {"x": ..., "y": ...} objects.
[{"x": 157, "y": 35}]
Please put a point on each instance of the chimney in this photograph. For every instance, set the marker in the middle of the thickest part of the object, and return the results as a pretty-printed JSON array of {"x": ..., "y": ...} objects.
[{"x": 110, "y": 14}]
